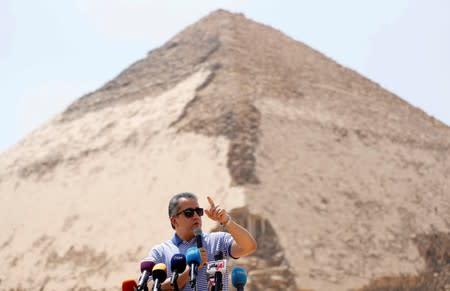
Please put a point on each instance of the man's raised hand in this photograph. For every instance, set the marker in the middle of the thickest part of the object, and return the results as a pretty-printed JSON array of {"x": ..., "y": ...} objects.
[{"x": 216, "y": 213}]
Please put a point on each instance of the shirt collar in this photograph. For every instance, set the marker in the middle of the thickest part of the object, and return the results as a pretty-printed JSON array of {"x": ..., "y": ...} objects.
[{"x": 178, "y": 241}]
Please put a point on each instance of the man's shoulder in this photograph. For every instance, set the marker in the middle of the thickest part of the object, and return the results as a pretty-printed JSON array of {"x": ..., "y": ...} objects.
[
  {"x": 217, "y": 235},
  {"x": 161, "y": 250},
  {"x": 168, "y": 244}
]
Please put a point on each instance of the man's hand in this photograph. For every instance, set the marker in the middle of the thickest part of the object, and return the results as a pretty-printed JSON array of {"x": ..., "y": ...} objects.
[
  {"x": 204, "y": 255},
  {"x": 215, "y": 212}
]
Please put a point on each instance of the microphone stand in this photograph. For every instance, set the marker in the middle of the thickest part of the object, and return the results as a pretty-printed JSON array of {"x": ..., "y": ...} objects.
[
  {"x": 195, "y": 286},
  {"x": 194, "y": 273},
  {"x": 144, "y": 288},
  {"x": 175, "y": 283}
]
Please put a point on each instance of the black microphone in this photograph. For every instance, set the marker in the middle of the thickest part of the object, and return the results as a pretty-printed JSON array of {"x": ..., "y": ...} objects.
[
  {"x": 194, "y": 259},
  {"x": 198, "y": 237},
  {"x": 159, "y": 274},
  {"x": 146, "y": 271},
  {"x": 218, "y": 275},
  {"x": 177, "y": 266}
]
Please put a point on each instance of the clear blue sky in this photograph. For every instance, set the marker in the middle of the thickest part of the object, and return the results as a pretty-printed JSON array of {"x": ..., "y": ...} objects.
[{"x": 52, "y": 51}]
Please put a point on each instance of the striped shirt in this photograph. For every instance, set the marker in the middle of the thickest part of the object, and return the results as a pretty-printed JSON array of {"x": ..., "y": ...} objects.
[{"x": 212, "y": 242}]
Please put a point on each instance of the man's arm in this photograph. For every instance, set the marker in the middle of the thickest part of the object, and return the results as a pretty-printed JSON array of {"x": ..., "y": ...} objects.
[{"x": 244, "y": 243}]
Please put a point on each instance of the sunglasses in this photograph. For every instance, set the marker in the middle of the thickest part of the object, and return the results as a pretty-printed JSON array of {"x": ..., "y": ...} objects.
[{"x": 189, "y": 212}]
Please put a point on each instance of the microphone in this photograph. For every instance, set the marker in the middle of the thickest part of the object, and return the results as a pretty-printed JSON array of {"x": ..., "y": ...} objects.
[
  {"x": 198, "y": 236},
  {"x": 216, "y": 269},
  {"x": 146, "y": 271},
  {"x": 193, "y": 259},
  {"x": 129, "y": 285},
  {"x": 159, "y": 274},
  {"x": 218, "y": 257},
  {"x": 177, "y": 266},
  {"x": 238, "y": 278}
]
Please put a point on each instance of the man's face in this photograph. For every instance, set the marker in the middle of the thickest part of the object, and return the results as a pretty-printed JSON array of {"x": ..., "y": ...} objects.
[{"x": 183, "y": 223}]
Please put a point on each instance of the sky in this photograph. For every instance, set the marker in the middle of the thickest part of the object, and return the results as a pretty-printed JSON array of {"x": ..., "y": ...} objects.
[{"x": 52, "y": 52}]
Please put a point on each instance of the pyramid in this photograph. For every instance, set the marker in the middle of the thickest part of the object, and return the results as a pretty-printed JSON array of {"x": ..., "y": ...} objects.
[{"x": 335, "y": 176}]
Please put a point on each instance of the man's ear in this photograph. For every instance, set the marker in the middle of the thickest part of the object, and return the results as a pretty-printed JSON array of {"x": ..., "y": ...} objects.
[{"x": 173, "y": 221}]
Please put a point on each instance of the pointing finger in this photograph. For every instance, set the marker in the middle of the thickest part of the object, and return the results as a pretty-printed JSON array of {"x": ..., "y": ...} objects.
[{"x": 211, "y": 202}]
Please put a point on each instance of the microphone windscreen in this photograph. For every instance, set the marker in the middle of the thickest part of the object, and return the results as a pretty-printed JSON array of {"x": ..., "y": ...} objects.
[
  {"x": 129, "y": 285},
  {"x": 197, "y": 231},
  {"x": 198, "y": 237},
  {"x": 238, "y": 277},
  {"x": 159, "y": 272},
  {"x": 178, "y": 263},
  {"x": 193, "y": 256},
  {"x": 147, "y": 265}
]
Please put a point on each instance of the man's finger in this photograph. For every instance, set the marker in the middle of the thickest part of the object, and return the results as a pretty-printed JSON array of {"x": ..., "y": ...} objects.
[{"x": 211, "y": 202}]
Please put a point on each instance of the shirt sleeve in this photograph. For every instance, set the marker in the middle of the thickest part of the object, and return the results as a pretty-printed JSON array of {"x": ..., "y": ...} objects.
[
  {"x": 227, "y": 242},
  {"x": 155, "y": 255}
]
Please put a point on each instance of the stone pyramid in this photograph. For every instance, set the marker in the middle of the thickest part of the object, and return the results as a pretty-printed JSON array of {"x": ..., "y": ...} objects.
[{"x": 335, "y": 176}]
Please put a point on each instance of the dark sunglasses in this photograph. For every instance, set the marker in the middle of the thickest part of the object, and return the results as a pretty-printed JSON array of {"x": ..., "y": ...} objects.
[{"x": 189, "y": 212}]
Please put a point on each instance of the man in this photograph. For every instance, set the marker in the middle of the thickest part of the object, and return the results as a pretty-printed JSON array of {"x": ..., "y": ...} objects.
[{"x": 185, "y": 216}]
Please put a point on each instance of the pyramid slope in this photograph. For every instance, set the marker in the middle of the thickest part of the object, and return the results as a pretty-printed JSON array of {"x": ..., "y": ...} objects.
[
  {"x": 250, "y": 61},
  {"x": 333, "y": 174},
  {"x": 89, "y": 196},
  {"x": 348, "y": 206},
  {"x": 253, "y": 60}
]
